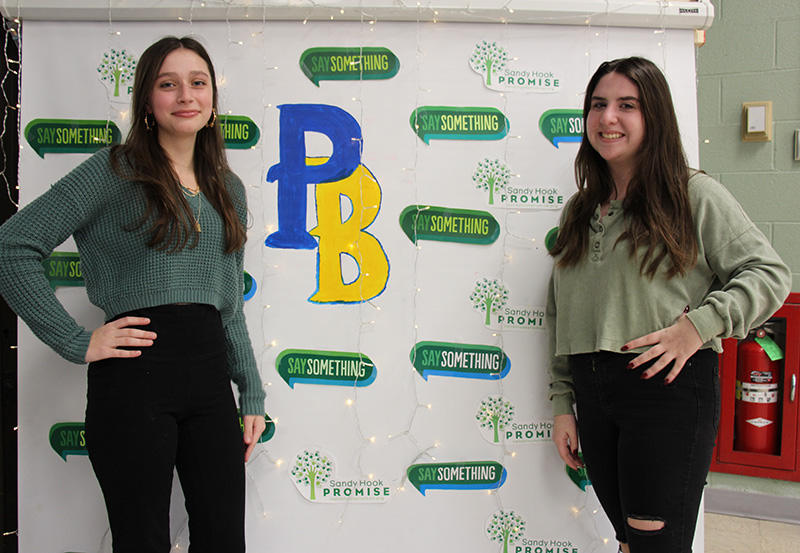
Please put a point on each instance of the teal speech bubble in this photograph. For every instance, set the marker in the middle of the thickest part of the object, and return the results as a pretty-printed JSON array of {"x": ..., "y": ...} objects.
[
  {"x": 328, "y": 368},
  {"x": 70, "y": 136},
  {"x": 579, "y": 477},
  {"x": 68, "y": 438},
  {"x": 458, "y": 123},
  {"x": 467, "y": 475},
  {"x": 562, "y": 125},
  {"x": 268, "y": 432},
  {"x": 239, "y": 132},
  {"x": 460, "y": 360},
  {"x": 63, "y": 269},
  {"x": 250, "y": 286},
  {"x": 448, "y": 224},
  {"x": 349, "y": 64},
  {"x": 550, "y": 238}
]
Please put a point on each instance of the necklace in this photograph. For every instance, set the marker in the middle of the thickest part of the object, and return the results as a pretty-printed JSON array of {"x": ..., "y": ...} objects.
[
  {"x": 196, "y": 194},
  {"x": 189, "y": 192}
]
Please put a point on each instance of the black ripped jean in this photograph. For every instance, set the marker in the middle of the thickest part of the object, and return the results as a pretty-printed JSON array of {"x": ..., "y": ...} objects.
[
  {"x": 172, "y": 407},
  {"x": 648, "y": 446}
]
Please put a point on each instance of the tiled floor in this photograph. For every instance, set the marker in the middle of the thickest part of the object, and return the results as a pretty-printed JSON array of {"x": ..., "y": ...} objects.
[{"x": 727, "y": 534}]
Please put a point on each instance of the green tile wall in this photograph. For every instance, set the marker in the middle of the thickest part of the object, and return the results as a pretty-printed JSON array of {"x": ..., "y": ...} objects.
[{"x": 752, "y": 53}]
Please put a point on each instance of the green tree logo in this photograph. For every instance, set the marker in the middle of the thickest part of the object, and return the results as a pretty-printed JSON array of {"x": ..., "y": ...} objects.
[
  {"x": 488, "y": 58},
  {"x": 495, "y": 412},
  {"x": 312, "y": 469},
  {"x": 506, "y": 527},
  {"x": 489, "y": 296},
  {"x": 117, "y": 67},
  {"x": 491, "y": 175}
]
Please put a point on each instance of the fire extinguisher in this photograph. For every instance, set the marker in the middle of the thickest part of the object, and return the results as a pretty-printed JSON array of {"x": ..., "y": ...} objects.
[{"x": 758, "y": 380}]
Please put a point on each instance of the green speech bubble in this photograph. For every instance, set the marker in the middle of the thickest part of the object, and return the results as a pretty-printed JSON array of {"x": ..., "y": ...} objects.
[
  {"x": 63, "y": 269},
  {"x": 349, "y": 64},
  {"x": 467, "y": 475},
  {"x": 460, "y": 360},
  {"x": 250, "y": 286},
  {"x": 550, "y": 238},
  {"x": 458, "y": 123},
  {"x": 239, "y": 132},
  {"x": 70, "y": 136},
  {"x": 448, "y": 224},
  {"x": 329, "y": 368},
  {"x": 268, "y": 432},
  {"x": 562, "y": 125},
  {"x": 579, "y": 477},
  {"x": 68, "y": 438}
]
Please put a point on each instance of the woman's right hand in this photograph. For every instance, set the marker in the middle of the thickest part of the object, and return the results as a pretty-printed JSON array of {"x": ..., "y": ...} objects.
[
  {"x": 108, "y": 338},
  {"x": 565, "y": 436}
]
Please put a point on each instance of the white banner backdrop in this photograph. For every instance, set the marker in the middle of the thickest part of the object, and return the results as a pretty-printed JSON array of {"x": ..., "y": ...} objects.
[{"x": 410, "y": 409}]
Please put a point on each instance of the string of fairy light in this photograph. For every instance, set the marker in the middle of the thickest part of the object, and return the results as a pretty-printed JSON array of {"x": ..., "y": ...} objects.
[
  {"x": 368, "y": 307},
  {"x": 11, "y": 105},
  {"x": 10, "y": 120}
]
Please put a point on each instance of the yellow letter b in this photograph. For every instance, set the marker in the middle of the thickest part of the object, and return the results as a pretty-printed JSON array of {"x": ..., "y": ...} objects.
[{"x": 338, "y": 238}]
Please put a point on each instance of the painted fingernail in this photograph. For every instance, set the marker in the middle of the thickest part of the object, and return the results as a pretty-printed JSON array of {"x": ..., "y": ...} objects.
[
  {"x": 630, "y": 365},
  {"x": 624, "y": 348},
  {"x": 686, "y": 309},
  {"x": 642, "y": 376}
]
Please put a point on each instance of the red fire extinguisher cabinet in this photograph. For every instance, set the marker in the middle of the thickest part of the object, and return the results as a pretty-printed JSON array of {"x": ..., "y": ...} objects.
[{"x": 786, "y": 464}]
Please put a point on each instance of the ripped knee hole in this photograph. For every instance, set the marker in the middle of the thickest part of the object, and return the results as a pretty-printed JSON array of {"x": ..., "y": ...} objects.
[{"x": 645, "y": 524}]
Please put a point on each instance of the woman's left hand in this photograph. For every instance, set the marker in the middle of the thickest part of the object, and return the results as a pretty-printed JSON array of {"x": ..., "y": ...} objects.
[
  {"x": 254, "y": 425},
  {"x": 674, "y": 343}
]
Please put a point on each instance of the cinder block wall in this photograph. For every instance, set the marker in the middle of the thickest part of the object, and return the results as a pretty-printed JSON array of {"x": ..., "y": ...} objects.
[{"x": 752, "y": 53}]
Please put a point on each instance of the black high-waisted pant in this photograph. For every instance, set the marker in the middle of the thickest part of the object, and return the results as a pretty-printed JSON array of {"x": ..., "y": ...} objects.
[
  {"x": 648, "y": 446},
  {"x": 172, "y": 407}
]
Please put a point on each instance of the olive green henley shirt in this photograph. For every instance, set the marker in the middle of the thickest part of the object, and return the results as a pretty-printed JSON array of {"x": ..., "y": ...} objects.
[{"x": 604, "y": 302}]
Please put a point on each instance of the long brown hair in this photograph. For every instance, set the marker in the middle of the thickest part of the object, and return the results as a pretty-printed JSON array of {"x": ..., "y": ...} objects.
[
  {"x": 167, "y": 212},
  {"x": 657, "y": 210}
]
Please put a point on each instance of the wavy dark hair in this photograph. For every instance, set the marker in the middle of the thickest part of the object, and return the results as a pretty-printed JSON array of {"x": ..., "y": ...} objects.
[
  {"x": 657, "y": 211},
  {"x": 168, "y": 217}
]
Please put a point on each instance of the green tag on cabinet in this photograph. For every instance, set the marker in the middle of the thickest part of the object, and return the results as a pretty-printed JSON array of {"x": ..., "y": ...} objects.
[{"x": 772, "y": 349}]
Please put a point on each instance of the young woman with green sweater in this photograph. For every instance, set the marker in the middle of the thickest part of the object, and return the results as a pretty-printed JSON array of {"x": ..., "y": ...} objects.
[{"x": 159, "y": 222}]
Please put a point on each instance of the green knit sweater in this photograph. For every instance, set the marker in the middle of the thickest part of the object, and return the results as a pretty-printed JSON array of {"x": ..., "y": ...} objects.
[
  {"x": 95, "y": 206},
  {"x": 603, "y": 302}
]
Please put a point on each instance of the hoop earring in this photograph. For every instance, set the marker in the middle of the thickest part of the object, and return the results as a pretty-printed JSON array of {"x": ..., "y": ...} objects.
[
  {"x": 147, "y": 122},
  {"x": 211, "y": 121}
]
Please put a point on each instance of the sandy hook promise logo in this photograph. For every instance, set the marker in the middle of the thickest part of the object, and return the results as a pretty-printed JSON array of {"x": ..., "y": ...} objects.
[
  {"x": 498, "y": 423},
  {"x": 489, "y": 60},
  {"x": 491, "y": 296},
  {"x": 506, "y": 527},
  {"x": 314, "y": 469},
  {"x": 495, "y": 413},
  {"x": 311, "y": 469},
  {"x": 116, "y": 69},
  {"x": 494, "y": 176}
]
